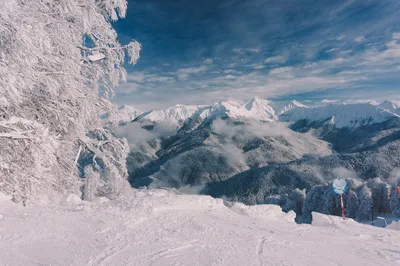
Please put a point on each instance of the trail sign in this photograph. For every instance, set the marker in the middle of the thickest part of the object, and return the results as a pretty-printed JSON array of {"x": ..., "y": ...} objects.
[{"x": 339, "y": 186}]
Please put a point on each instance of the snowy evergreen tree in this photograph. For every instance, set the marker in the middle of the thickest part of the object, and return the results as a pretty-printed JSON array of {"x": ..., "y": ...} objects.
[
  {"x": 365, "y": 204},
  {"x": 395, "y": 202},
  {"x": 380, "y": 195},
  {"x": 56, "y": 58},
  {"x": 351, "y": 203},
  {"x": 312, "y": 203},
  {"x": 91, "y": 184}
]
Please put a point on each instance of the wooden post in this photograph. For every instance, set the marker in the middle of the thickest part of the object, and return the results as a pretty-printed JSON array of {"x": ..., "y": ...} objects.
[{"x": 341, "y": 203}]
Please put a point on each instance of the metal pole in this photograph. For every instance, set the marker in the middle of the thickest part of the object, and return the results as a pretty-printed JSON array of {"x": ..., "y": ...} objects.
[{"x": 341, "y": 203}]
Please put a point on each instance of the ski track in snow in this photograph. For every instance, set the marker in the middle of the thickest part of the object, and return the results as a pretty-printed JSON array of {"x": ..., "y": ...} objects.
[{"x": 161, "y": 228}]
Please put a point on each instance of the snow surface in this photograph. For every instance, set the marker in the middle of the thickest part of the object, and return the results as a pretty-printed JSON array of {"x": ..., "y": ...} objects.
[
  {"x": 155, "y": 227},
  {"x": 342, "y": 115}
]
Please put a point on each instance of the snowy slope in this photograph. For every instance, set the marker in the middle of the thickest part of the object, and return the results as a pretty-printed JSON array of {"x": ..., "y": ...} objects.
[
  {"x": 175, "y": 115},
  {"x": 124, "y": 114},
  {"x": 128, "y": 113},
  {"x": 260, "y": 109},
  {"x": 284, "y": 107},
  {"x": 161, "y": 228},
  {"x": 256, "y": 108},
  {"x": 391, "y": 106},
  {"x": 341, "y": 115}
]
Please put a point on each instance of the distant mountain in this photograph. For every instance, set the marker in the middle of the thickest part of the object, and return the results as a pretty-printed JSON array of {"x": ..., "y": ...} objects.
[
  {"x": 244, "y": 152},
  {"x": 284, "y": 107},
  {"x": 175, "y": 115},
  {"x": 124, "y": 114},
  {"x": 391, "y": 106},
  {"x": 340, "y": 115},
  {"x": 192, "y": 116},
  {"x": 217, "y": 151}
]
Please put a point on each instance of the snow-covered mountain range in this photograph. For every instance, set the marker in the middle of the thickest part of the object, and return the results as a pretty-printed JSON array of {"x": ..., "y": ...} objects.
[
  {"x": 265, "y": 151},
  {"x": 178, "y": 115},
  {"x": 339, "y": 114}
]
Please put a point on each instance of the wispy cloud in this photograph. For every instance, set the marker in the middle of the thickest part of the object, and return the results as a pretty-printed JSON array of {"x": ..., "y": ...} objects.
[
  {"x": 359, "y": 39},
  {"x": 251, "y": 48},
  {"x": 332, "y": 50},
  {"x": 248, "y": 50},
  {"x": 183, "y": 73},
  {"x": 276, "y": 59},
  {"x": 136, "y": 77}
]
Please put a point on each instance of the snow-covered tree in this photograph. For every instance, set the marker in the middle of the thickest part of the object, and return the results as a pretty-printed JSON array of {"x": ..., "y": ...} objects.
[
  {"x": 56, "y": 59},
  {"x": 351, "y": 206},
  {"x": 365, "y": 204},
  {"x": 395, "y": 202},
  {"x": 380, "y": 194}
]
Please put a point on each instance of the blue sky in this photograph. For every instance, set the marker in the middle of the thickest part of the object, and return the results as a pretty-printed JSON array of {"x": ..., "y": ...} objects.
[{"x": 199, "y": 52}]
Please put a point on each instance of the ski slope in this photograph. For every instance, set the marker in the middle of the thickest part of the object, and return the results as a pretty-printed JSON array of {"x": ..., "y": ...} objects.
[{"x": 155, "y": 227}]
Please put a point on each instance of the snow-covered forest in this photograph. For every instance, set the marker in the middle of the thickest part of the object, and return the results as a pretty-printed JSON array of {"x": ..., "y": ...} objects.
[{"x": 59, "y": 63}]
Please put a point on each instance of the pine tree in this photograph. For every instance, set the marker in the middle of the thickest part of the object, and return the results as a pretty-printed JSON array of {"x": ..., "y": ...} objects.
[{"x": 365, "y": 203}]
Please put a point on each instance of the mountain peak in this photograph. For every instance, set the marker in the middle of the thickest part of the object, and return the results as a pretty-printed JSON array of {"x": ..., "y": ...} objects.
[
  {"x": 123, "y": 114},
  {"x": 286, "y": 106}
]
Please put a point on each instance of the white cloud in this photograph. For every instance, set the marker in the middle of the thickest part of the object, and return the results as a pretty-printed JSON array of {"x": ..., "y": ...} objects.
[
  {"x": 257, "y": 66},
  {"x": 136, "y": 77},
  {"x": 154, "y": 78},
  {"x": 128, "y": 87},
  {"x": 373, "y": 102},
  {"x": 208, "y": 61},
  {"x": 227, "y": 71},
  {"x": 359, "y": 39},
  {"x": 254, "y": 50},
  {"x": 390, "y": 54},
  {"x": 276, "y": 59},
  {"x": 243, "y": 50},
  {"x": 280, "y": 70},
  {"x": 191, "y": 70},
  {"x": 326, "y": 101},
  {"x": 332, "y": 50},
  {"x": 341, "y": 37},
  {"x": 183, "y": 73}
]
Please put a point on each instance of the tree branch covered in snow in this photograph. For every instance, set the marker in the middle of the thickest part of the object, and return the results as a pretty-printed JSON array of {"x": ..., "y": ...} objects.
[{"x": 56, "y": 57}]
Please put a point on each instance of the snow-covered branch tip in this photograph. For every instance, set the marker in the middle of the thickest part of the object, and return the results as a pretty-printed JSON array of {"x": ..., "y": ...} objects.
[{"x": 98, "y": 53}]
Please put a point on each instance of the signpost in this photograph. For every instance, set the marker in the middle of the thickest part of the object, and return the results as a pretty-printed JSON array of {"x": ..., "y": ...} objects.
[{"x": 339, "y": 187}]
